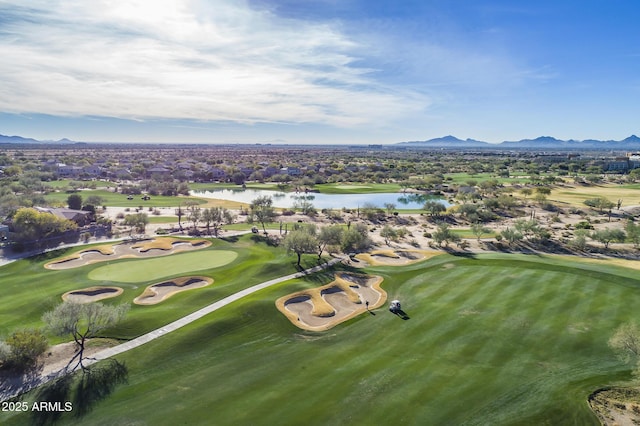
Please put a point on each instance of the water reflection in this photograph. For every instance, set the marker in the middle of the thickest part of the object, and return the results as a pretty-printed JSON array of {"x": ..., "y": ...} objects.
[{"x": 322, "y": 201}]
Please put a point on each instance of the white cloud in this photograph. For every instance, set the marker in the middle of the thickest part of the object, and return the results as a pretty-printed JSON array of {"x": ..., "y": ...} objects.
[{"x": 199, "y": 60}]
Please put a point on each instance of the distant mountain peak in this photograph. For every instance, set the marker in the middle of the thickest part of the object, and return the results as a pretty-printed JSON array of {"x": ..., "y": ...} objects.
[{"x": 541, "y": 142}]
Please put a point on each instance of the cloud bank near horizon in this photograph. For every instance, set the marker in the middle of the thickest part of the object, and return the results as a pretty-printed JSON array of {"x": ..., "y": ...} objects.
[
  {"x": 319, "y": 70},
  {"x": 170, "y": 59}
]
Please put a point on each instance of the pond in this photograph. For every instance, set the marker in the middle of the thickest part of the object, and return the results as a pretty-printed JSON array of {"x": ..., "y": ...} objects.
[{"x": 321, "y": 201}]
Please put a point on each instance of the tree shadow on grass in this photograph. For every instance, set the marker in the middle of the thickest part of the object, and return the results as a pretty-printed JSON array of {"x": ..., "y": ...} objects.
[
  {"x": 98, "y": 383},
  {"x": 54, "y": 394},
  {"x": 78, "y": 393}
]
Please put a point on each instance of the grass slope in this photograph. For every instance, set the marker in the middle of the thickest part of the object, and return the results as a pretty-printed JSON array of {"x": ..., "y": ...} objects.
[{"x": 491, "y": 340}]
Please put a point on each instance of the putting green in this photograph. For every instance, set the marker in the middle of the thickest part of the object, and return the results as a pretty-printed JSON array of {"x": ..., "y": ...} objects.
[{"x": 160, "y": 267}]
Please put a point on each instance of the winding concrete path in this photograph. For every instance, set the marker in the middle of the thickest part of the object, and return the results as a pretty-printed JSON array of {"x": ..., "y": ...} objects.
[{"x": 152, "y": 335}]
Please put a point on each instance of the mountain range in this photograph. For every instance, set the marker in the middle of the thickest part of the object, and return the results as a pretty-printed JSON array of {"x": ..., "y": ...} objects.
[
  {"x": 543, "y": 142},
  {"x": 451, "y": 142},
  {"x": 20, "y": 139}
]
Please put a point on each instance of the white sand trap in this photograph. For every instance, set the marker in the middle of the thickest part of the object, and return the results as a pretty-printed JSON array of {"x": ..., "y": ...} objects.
[
  {"x": 158, "y": 292},
  {"x": 92, "y": 294},
  {"x": 140, "y": 249},
  {"x": 395, "y": 257},
  {"x": 325, "y": 307}
]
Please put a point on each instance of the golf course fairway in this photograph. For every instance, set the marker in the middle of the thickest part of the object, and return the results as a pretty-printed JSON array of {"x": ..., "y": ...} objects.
[
  {"x": 132, "y": 271},
  {"x": 495, "y": 339}
]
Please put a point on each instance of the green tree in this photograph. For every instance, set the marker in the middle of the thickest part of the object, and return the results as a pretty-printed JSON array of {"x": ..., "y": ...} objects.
[
  {"x": 330, "y": 238},
  {"x": 138, "y": 221},
  {"x": 608, "y": 235},
  {"x": 579, "y": 240},
  {"x": 94, "y": 200},
  {"x": 388, "y": 233},
  {"x": 82, "y": 322},
  {"x": 372, "y": 212},
  {"x": 215, "y": 217},
  {"x": 599, "y": 203},
  {"x": 304, "y": 204},
  {"x": 356, "y": 239},
  {"x": 633, "y": 233},
  {"x": 74, "y": 201},
  {"x": 479, "y": 230},
  {"x": 434, "y": 208},
  {"x": 526, "y": 192},
  {"x": 262, "y": 211},
  {"x": 528, "y": 228},
  {"x": 543, "y": 190},
  {"x": 511, "y": 235},
  {"x": 443, "y": 234},
  {"x": 300, "y": 241},
  {"x": 30, "y": 224}
]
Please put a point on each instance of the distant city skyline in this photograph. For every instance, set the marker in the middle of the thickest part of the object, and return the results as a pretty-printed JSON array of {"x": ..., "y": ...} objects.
[{"x": 318, "y": 71}]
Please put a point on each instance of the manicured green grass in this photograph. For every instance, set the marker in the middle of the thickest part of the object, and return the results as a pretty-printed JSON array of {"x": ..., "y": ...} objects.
[
  {"x": 29, "y": 290},
  {"x": 219, "y": 186},
  {"x": 462, "y": 178},
  {"x": 492, "y": 339},
  {"x": 357, "y": 188},
  {"x": 163, "y": 219},
  {"x": 133, "y": 271},
  {"x": 120, "y": 200},
  {"x": 466, "y": 233}
]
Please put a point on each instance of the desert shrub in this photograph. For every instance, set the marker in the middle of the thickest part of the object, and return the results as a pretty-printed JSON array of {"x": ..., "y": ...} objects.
[
  {"x": 26, "y": 346},
  {"x": 583, "y": 225}
]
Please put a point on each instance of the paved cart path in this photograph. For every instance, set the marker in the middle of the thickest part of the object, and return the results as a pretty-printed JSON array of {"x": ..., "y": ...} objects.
[{"x": 8, "y": 391}]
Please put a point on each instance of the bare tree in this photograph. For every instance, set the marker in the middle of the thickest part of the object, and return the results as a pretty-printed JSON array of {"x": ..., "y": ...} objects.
[{"x": 82, "y": 322}]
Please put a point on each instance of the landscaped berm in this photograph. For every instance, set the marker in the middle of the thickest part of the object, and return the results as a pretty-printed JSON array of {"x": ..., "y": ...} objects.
[
  {"x": 128, "y": 249},
  {"x": 395, "y": 257},
  {"x": 92, "y": 294},
  {"x": 158, "y": 292},
  {"x": 324, "y": 307}
]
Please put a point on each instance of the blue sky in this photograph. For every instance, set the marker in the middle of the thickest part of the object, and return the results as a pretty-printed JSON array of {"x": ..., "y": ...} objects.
[{"x": 318, "y": 71}]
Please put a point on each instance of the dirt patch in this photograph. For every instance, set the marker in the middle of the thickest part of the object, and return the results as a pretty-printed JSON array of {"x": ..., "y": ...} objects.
[
  {"x": 127, "y": 249},
  {"x": 325, "y": 307},
  {"x": 616, "y": 406},
  {"x": 395, "y": 257},
  {"x": 158, "y": 292},
  {"x": 53, "y": 360},
  {"x": 92, "y": 294}
]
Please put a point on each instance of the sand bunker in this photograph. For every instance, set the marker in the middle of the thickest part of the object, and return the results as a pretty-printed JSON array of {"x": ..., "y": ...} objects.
[
  {"x": 322, "y": 308},
  {"x": 158, "y": 292},
  {"x": 395, "y": 257},
  {"x": 91, "y": 294},
  {"x": 146, "y": 248}
]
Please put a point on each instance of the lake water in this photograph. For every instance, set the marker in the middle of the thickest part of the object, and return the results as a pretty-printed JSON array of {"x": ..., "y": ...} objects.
[{"x": 321, "y": 201}]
